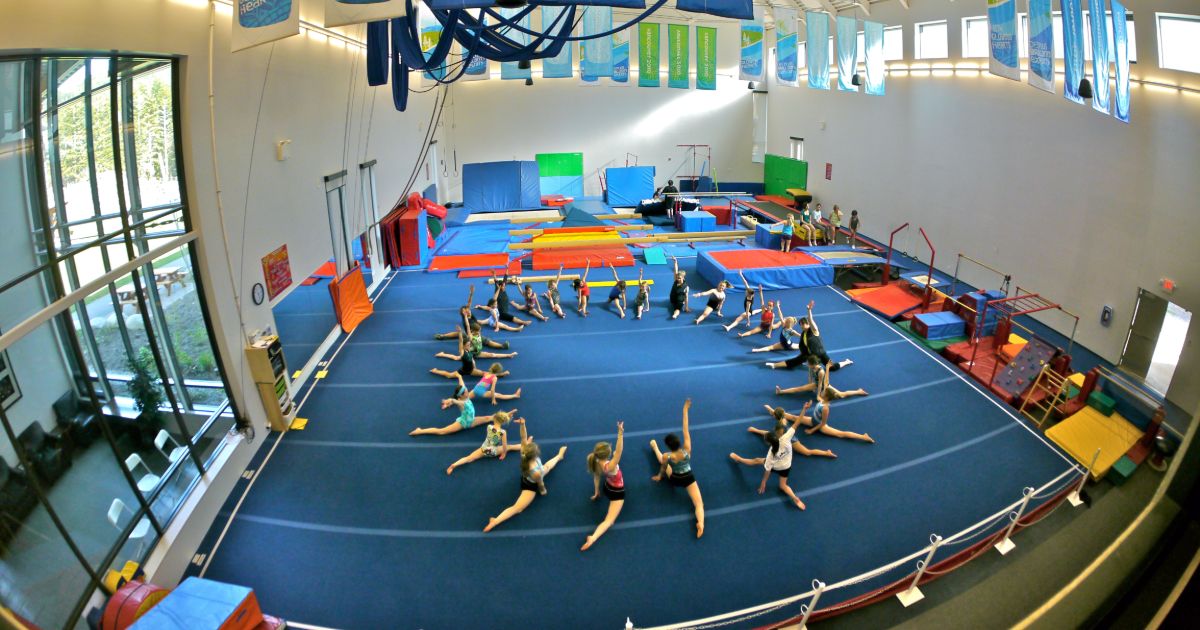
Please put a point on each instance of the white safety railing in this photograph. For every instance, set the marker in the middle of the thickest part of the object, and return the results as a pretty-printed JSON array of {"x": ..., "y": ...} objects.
[{"x": 924, "y": 557}]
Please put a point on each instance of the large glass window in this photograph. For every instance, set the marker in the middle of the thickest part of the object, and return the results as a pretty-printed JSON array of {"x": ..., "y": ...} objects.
[
  {"x": 931, "y": 40},
  {"x": 893, "y": 43},
  {"x": 112, "y": 394},
  {"x": 1178, "y": 42},
  {"x": 976, "y": 37},
  {"x": 1023, "y": 36}
]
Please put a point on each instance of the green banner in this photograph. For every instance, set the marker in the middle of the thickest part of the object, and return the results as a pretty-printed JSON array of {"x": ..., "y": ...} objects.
[
  {"x": 677, "y": 56},
  {"x": 648, "y": 55},
  {"x": 706, "y": 58}
]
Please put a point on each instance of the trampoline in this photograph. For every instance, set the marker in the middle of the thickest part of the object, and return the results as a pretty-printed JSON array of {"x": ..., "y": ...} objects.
[{"x": 772, "y": 269}]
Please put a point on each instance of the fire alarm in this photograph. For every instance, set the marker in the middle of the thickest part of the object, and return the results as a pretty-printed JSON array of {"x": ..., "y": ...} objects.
[{"x": 1168, "y": 285}]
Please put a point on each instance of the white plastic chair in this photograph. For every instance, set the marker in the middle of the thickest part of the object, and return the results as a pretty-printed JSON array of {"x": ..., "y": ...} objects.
[
  {"x": 139, "y": 531},
  {"x": 161, "y": 440},
  {"x": 148, "y": 480}
]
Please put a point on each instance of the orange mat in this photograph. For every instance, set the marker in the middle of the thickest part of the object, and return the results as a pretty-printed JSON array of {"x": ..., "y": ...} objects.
[
  {"x": 327, "y": 270},
  {"x": 579, "y": 257},
  {"x": 471, "y": 261},
  {"x": 350, "y": 301},
  {"x": 759, "y": 258},
  {"x": 890, "y": 301}
]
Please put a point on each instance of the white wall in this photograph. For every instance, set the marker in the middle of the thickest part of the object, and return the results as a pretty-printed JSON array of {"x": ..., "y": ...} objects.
[
  {"x": 507, "y": 120},
  {"x": 1075, "y": 205}
]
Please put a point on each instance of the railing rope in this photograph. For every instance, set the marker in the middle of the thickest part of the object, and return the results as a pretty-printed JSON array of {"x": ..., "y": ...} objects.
[
  {"x": 914, "y": 594},
  {"x": 1074, "y": 497},
  {"x": 1006, "y": 544}
]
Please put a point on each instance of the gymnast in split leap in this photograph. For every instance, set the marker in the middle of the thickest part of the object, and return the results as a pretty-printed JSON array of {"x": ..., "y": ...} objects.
[
  {"x": 679, "y": 291},
  {"x": 616, "y": 295},
  {"x": 604, "y": 464},
  {"x": 474, "y": 345},
  {"x": 582, "y": 291},
  {"x": 676, "y": 464},
  {"x": 716, "y": 300},
  {"x": 810, "y": 344},
  {"x": 533, "y": 477},
  {"x": 777, "y": 460},
  {"x": 818, "y": 381},
  {"x": 532, "y": 305},
  {"x": 818, "y": 422},
  {"x": 495, "y": 443},
  {"x": 466, "y": 416},
  {"x": 551, "y": 294},
  {"x": 641, "y": 303},
  {"x": 469, "y": 323},
  {"x": 468, "y": 367}
]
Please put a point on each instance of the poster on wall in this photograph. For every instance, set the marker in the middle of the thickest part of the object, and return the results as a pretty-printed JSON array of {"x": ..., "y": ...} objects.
[
  {"x": 1041, "y": 45},
  {"x": 596, "y": 55},
  {"x": 1072, "y": 19},
  {"x": 1100, "y": 77},
  {"x": 648, "y": 54},
  {"x": 1002, "y": 39},
  {"x": 678, "y": 64},
  {"x": 510, "y": 70},
  {"x": 786, "y": 49},
  {"x": 1121, "y": 50},
  {"x": 561, "y": 66},
  {"x": 260, "y": 21},
  {"x": 431, "y": 34},
  {"x": 817, "y": 29},
  {"x": 873, "y": 55},
  {"x": 277, "y": 271},
  {"x": 753, "y": 60},
  {"x": 706, "y": 58},
  {"x": 620, "y": 53},
  {"x": 847, "y": 51},
  {"x": 343, "y": 12}
]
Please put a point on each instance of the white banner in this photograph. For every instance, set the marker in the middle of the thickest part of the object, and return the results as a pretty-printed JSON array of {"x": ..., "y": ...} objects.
[
  {"x": 260, "y": 21},
  {"x": 343, "y": 12}
]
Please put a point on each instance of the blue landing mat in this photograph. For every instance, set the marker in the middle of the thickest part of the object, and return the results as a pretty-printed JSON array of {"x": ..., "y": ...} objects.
[
  {"x": 769, "y": 278},
  {"x": 481, "y": 238}
]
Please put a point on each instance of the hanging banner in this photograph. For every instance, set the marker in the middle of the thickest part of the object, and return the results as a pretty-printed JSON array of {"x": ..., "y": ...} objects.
[
  {"x": 1121, "y": 49},
  {"x": 343, "y": 12},
  {"x": 431, "y": 34},
  {"x": 509, "y": 70},
  {"x": 678, "y": 64},
  {"x": 596, "y": 56},
  {"x": 1100, "y": 77},
  {"x": 817, "y": 28},
  {"x": 1002, "y": 34},
  {"x": 706, "y": 58},
  {"x": 736, "y": 9},
  {"x": 1072, "y": 19},
  {"x": 261, "y": 21},
  {"x": 753, "y": 60},
  {"x": 620, "y": 41},
  {"x": 562, "y": 66},
  {"x": 478, "y": 69},
  {"x": 847, "y": 51},
  {"x": 648, "y": 54},
  {"x": 873, "y": 41},
  {"x": 786, "y": 38},
  {"x": 1041, "y": 45}
]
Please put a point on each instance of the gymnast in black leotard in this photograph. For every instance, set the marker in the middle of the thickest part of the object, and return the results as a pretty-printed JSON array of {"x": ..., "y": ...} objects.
[{"x": 716, "y": 299}]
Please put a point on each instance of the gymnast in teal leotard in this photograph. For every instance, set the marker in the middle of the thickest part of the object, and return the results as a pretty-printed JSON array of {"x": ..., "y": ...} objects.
[{"x": 676, "y": 464}]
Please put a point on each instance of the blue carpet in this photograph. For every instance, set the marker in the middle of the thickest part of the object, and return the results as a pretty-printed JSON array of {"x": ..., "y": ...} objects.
[
  {"x": 353, "y": 524},
  {"x": 303, "y": 319}
]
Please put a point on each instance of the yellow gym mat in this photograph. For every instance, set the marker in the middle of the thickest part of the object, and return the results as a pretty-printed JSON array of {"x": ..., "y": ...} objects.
[{"x": 1088, "y": 430}]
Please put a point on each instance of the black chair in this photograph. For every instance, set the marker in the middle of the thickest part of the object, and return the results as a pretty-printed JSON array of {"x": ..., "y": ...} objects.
[
  {"x": 77, "y": 418},
  {"x": 17, "y": 500},
  {"x": 45, "y": 452}
]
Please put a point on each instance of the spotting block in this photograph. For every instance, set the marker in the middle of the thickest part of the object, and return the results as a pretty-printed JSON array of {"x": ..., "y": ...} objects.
[
  {"x": 697, "y": 221},
  {"x": 1121, "y": 471},
  {"x": 1101, "y": 402},
  {"x": 200, "y": 603},
  {"x": 938, "y": 325}
]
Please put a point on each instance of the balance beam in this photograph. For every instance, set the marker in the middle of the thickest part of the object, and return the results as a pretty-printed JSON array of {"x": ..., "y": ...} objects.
[
  {"x": 679, "y": 237},
  {"x": 618, "y": 228},
  {"x": 565, "y": 276}
]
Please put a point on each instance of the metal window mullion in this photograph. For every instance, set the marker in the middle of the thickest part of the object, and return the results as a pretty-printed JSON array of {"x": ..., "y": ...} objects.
[
  {"x": 151, "y": 339},
  {"x": 93, "y": 348},
  {"x": 160, "y": 316},
  {"x": 129, "y": 148}
]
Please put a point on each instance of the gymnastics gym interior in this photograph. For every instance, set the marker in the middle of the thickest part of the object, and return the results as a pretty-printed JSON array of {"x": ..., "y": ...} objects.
[{"x": 368, "y": 314}]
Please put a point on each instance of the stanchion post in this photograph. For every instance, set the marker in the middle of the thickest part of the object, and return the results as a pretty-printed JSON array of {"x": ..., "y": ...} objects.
[
  {"x": 805, "y": 611},
  {"x": 914, "y": 594},
  {"x": 1074, "y": 497},
  {"x": 1006, "y": 545}
]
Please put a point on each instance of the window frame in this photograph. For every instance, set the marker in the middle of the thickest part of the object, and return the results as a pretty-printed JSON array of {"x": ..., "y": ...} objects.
[
  {"x": 1158, "y": 19},
  {"x": 965, "y": 42},
  {"x": 918, "y": 28}
]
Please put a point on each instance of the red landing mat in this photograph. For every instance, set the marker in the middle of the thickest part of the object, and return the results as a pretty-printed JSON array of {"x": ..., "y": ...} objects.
[
  {"x": 890, "y": 301},
  {"x": 327, "y": 270},
  {"x": 759, "y": 258},
  {"x": 472, "y": 261},
  {"x": 578, "y": 257},
  {"x": 514, "y": 269}
]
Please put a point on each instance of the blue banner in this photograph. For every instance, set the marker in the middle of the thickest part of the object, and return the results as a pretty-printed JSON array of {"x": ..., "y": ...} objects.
[
  {"x": 736, "y": 9},
  {"x": 431, "y": 34},
  {"x": 1121, "y": 48},
  {"x": 817, "y": 49},
  {"x": 259, "y": 13},
  {"x": 1041, "y": 45},
  {"x": 1072, "y": 17},
  {"x": 786, "y": 48},
  {"x": 562, "y": 66},
  {"x": 873, "y": 41},
  {"x": 1100, "y": 87},
  {"x": 509, "y": 69},
  {"x": 847, "y": 51},
  {"x": 620, "y": 41},
  {"x": 750, "y": 68},
  {"x": 262, "y": 21},
  {"x": 1003, "y": 60},
  {"x": 596, "y": 58}
]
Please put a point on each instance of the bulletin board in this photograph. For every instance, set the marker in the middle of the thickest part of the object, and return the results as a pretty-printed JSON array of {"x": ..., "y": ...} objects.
[{"x": 277, "y": 272}]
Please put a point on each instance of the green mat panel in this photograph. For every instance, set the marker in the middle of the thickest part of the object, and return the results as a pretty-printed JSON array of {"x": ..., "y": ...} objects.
[
  {"x": 1101, "y": 402},
  {"x": 937, "y": 345},
  {"x": 559, "y": 164},
  {"x": 781, "y": 173},
  {"x": 654, "y": 256}
]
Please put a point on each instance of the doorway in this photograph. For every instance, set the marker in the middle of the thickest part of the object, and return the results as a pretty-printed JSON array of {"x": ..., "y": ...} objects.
[{"x": 1155, "y": 340}]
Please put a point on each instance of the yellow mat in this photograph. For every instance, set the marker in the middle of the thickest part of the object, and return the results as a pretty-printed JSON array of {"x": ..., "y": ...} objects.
[
  {"x": 1088, "y": 430},
  {"x": 609, "y": 283},
  {"x": 1076, "y": 379}
]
